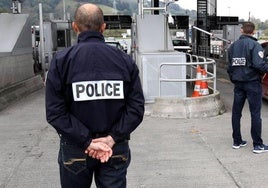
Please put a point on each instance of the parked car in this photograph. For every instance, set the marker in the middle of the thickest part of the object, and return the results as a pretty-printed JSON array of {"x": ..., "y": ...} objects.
[
  {"x": 265, "y": 77},
  {"x": 124, "y": 45},
  {"x": 111, "y": 41},
  {"x": 181, "y": 45}
]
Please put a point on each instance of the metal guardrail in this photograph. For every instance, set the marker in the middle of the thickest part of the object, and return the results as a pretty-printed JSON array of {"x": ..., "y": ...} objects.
[{"x": 191, "y": 66}]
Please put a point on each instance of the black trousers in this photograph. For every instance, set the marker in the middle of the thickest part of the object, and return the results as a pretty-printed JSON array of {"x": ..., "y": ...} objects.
[
  {"x": 77, "y": 169},
  {"x": 252, "y": 91}
]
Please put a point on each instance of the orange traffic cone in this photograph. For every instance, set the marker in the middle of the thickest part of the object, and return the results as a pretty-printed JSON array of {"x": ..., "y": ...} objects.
[
  {"x": 204, "y": 85},
  {"x": 196, "y": 92},
  {"x": 198, "y": 72}
]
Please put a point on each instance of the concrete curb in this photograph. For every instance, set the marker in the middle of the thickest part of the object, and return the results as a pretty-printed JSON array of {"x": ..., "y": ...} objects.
[
  {"x": 188, "y": 108},
  {"x": 19, "y": 90}
]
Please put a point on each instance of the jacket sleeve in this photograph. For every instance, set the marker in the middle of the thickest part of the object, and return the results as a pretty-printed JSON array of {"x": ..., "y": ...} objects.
[
  {"x": 57, "y": 112},
  {"x": 132, "y": 116},
  {"x": 229, "y": 67},
  {"x": 258, "y": 60}
]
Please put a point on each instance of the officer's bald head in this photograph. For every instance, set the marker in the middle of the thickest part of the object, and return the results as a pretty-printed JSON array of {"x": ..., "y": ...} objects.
[{"x": 89, "y": 17}]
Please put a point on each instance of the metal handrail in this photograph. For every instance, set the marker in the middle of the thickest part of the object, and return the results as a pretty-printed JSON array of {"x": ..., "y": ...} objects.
[{"x": 192, "y": 65}]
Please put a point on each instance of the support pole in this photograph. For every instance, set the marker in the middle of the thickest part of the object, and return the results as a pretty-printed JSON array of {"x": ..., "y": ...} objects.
[
  {"x": 155, "y": 4},
  {"x": 42, "y": 45}
]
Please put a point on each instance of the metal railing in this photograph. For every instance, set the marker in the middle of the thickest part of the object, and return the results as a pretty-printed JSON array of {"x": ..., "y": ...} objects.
[{"x": 191, "y": 65}]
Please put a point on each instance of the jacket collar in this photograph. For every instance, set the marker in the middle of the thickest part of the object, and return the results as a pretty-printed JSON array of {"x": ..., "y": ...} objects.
[
  {"x": 247, "y": 36},
  {"x": 94, "y": 36}
]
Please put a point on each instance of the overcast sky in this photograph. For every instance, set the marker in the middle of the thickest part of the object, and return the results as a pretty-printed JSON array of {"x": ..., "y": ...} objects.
[{"x": 240, "y": 8}]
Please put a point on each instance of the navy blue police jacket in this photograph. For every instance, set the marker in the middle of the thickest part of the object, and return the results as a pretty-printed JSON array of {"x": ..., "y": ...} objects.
[
  {"x": 245, "y": 60},
  {"x": 93, "y": 89}
]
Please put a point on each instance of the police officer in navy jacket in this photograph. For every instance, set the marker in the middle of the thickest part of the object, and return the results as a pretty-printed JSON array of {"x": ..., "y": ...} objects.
[
  {"x": 246, "y": 68},
  {"x": 94, "y": 100}
]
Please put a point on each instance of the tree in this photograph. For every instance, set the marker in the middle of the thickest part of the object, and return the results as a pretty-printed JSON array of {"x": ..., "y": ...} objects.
[{"x": 265, "y": 32}]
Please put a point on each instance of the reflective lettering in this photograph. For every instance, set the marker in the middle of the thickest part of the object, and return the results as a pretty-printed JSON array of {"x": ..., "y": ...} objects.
[
  {"x": 239, "y": 61},
  {"x": 90, "y": 90},
  {"x": 102, "y": 89},
  {"x": 79, "y": 89},
  {"x": 116, "y": 89},
  {"x": 95, "y": 90},
  {"x": 108, "y": 89}
]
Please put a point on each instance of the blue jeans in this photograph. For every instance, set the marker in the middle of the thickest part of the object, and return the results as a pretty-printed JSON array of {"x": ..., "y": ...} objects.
[
  {"x": 252, "y": 91},
  {"x": 77, "y": 169}
]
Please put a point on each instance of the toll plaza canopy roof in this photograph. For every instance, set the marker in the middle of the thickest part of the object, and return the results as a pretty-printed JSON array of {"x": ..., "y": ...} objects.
[{"x": 11, "y": 28}]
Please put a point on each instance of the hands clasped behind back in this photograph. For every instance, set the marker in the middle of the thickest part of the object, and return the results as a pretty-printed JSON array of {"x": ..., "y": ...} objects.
[{"x": 101, "y": 148}]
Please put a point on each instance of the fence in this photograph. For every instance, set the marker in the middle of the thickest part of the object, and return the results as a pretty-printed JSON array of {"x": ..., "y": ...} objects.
[{"x": 191, "y": 64}]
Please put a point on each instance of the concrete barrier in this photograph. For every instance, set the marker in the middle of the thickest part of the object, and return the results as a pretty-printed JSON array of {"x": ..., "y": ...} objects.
[
  {"x": 187, "y": 108},
  {"x": 19, "y": 90}
]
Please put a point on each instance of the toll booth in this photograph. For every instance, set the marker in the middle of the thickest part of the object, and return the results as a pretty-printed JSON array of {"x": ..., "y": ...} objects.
[
  {"x": 155, "y": 55},
  {"x": 63, "y": 32},
  {"x": 206, "y": 19},
  {"x": 180, "y": 23},
  {"x": 231, "y": 33},
  {"x": 153, "y": 51},
  {"x": 118, "y": 21},
  {"x": 15, "y": 49},
  {"x": 57, "y": 36}
]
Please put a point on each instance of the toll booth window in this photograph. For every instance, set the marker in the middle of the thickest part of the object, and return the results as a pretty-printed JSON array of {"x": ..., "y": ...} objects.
[
  {"x": 180, "y": 43},
  {"x": 61, "y": 38}
]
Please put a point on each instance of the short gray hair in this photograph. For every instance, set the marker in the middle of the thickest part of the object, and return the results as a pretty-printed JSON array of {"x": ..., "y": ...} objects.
[{"x": 89, "y": 18}]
